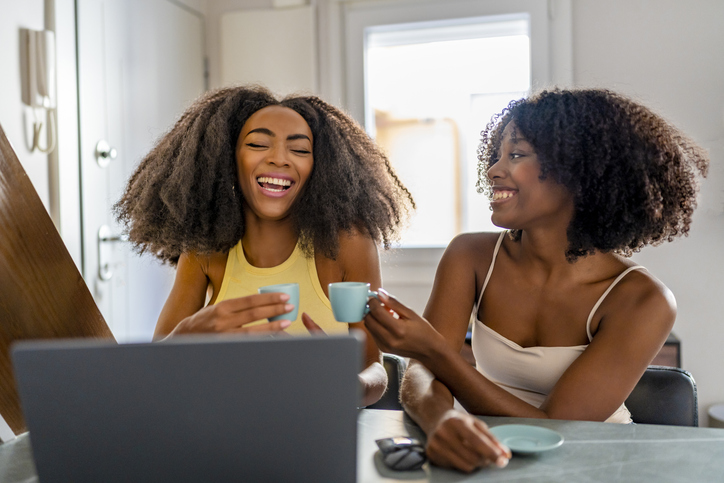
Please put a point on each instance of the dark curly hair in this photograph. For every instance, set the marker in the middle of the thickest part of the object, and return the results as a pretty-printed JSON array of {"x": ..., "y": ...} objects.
[
  {"x": 185, "y": 194},
  {"x": 633, "y": 176}
]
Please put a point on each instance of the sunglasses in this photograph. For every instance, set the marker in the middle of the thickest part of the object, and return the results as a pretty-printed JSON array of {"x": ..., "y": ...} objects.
[{"x": 402, "y": 453}]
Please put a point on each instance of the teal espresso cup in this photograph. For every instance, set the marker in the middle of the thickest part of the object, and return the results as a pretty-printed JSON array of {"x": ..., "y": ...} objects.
[
  {"x": 291, "y": 289},
  {"x": 349, "y": 300}
]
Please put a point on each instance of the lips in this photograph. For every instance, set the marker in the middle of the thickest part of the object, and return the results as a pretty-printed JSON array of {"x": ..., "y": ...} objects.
[
  {"x": 273, "y": 184},
  {"x": 502, "y": 194}
]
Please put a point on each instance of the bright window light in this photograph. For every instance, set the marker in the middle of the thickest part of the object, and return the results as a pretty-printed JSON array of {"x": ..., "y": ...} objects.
[{"x": 431, "y": 88}]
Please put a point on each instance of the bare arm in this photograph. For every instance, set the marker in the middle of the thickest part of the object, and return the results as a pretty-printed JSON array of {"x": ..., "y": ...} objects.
[
  {"x": 455, "y": 439},
  {"x": 448, "y": 310},
  {"x": 359, "y": 261},
  {"x": 184, "y": 310}
]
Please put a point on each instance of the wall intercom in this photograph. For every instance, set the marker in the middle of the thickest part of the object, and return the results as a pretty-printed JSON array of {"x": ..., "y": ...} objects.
[{"x": 38, "y": 82}]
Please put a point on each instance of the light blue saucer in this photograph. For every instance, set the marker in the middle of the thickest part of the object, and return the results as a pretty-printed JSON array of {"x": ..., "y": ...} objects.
[{"x": 526, "y": 439}]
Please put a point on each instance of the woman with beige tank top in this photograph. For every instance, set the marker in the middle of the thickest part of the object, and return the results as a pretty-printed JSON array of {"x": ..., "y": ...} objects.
[{"x": 564, "y": 324}]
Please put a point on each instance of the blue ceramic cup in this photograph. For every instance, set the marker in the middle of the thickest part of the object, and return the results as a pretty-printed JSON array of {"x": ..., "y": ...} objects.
[
  {"x": 291, "y": 289},
  {"x": 349, "y": 300}
]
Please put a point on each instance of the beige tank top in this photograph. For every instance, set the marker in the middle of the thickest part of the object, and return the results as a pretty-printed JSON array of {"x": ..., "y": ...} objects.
[{"x": 530, "y": 372}]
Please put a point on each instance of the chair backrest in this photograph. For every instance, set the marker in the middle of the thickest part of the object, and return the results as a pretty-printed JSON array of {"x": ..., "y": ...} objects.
[
  {"x": 42, "y": 294},
  {"x": 664, "y": 395},
  {"x": 395, "y": 367}
]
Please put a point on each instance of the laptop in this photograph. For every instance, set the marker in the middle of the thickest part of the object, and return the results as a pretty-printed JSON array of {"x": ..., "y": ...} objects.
[{"x": 192, "y": 409}]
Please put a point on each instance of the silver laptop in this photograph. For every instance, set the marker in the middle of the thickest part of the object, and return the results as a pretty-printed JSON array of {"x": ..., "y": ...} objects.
[{"x": 192, "y": 409}]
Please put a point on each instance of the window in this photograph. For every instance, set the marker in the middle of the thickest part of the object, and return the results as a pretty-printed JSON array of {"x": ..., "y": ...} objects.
[
  {"x": 389, "y": 24},
  {"x": 431, "y": 87}
]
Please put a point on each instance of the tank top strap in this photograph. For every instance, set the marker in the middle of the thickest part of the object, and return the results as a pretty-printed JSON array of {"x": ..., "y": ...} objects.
[
  {"x": 490, "y": 270},
  {"x": 602, "y": 297}
]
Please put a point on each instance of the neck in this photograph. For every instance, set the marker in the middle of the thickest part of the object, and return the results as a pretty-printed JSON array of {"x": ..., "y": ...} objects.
[
  {"x": 544, "y": 252},
  {"x": 268, "y": 243},
  {"x": 546, "y": 247}
]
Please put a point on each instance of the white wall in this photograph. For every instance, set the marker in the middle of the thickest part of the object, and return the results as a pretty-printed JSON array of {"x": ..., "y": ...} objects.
[
  {"x": 214, "y": 11},
  {"x": 670, "y": 55},
  {"x": 14, "y": 114},
  {"x": 329, "y": 76}
]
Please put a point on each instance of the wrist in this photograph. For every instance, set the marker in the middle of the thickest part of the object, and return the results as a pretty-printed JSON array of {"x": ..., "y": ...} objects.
[{"x": 437, "y": 350}]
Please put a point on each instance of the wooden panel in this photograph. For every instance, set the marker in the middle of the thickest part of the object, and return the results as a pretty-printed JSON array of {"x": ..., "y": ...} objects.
[{"x": 42, "y": 294}]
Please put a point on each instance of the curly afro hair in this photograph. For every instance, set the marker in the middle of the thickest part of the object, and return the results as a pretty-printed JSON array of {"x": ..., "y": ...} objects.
[
  {"x": 185, "y": 195},
  {"x": 633, "y": 176}
]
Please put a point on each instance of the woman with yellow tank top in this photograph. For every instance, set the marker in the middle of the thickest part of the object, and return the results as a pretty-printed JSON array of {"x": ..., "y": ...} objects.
[{"x": 247, "y": 191}]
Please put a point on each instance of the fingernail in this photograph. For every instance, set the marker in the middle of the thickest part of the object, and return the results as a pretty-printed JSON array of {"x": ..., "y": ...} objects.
[
  {"x": 285, "y": 323},
  {"x": 284, "y": 297},
  {"x": 289, "y": 307},
  {"x": 383, "y": 292},
  {"x": 501, "y": 462}
]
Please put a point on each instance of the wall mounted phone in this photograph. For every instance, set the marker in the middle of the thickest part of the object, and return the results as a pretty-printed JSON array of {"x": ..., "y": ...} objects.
[{"x": 38, "y": 82}]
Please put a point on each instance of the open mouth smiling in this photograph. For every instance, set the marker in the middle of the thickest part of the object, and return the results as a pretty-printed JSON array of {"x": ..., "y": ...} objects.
[
  {"x": 499, "y": 195},
  {"x": 275, "y": 185}
]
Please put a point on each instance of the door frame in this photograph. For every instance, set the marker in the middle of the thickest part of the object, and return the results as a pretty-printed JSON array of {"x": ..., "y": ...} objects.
[{"x": 65, "y": 161}]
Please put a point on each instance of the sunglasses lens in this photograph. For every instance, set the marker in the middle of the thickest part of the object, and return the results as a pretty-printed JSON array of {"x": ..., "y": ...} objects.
[{"x": 405, "y": 460}]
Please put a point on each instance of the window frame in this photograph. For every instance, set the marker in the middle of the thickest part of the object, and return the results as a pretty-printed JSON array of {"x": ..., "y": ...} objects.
[{"x": 358, "y": 16}]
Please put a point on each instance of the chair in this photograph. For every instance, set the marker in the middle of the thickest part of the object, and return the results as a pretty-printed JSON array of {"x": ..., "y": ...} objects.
[
  {"x": 42, "y": 294},
  {"x": 664, "y": 395},
  {"x": 395, "y": 367}
]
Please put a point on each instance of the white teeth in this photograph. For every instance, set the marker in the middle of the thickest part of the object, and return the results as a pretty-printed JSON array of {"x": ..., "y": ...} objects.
[
  {"x": 276, "y": 181},
  {"x": 501, "y": 195}
]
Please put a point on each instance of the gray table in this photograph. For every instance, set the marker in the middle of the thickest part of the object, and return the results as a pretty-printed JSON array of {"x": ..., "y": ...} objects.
[{"x": 591, "y": 452}]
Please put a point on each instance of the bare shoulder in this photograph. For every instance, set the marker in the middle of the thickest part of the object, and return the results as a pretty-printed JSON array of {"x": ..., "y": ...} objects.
[
  {"x": 355, "y": 243},
  {"x": 357, "y": 260},
  {"x": 208, "y": 268},
  {"x": 208, "y": 263},
  {"x": 471, "y": 248},
  {"x": 640, "y": 296}
]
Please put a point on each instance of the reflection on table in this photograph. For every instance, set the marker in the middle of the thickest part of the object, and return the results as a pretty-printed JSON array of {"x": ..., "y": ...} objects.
[{"x": 591, "y": 452}]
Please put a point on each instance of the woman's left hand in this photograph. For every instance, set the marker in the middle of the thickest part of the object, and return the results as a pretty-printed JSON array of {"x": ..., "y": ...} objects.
[
  {"x": 406, "y": 334},
  {"x": 311, "y": 325}
]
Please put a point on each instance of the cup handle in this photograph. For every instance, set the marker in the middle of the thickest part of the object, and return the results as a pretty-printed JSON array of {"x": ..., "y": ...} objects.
[{"x": 370, "y": 293}]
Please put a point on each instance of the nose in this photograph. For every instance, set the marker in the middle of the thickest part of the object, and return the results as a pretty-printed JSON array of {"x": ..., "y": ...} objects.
[
  {"x": 496, "y": 170},
  {"x": 277, "y": 156}
]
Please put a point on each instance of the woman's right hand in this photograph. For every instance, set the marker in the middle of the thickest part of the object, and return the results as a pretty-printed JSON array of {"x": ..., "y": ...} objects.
[
  {"x": 463, "y": 442},
  {"x": 233, "y": 315},
  {"x": 399, "y": 330}
]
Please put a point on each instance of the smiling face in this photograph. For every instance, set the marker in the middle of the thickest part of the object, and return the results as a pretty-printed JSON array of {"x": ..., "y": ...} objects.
[
  {"x": 520, "y": 200},
  {"x": 274, "y": 160}
]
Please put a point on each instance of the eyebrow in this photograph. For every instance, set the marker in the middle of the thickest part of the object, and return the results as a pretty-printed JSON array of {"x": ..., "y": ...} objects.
[
  {"x": 291, "y": 137},
  {"x": 514, "y": 136}
]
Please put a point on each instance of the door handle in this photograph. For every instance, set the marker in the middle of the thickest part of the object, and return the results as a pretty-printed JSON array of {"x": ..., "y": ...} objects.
[
  {"x": 105, "y": 153},
  {"x": 105, "y": 238}
]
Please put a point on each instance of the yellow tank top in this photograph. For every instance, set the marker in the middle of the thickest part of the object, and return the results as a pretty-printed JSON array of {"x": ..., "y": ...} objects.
[{"x": 241, "y": 279}]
